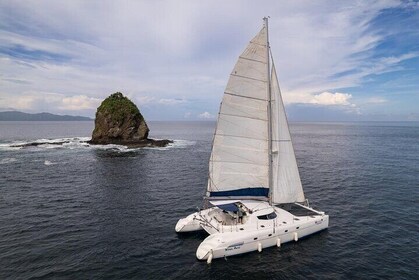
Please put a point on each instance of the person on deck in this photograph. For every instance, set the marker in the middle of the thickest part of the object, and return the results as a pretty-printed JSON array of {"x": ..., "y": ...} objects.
[{"x": 240, "y": 214}]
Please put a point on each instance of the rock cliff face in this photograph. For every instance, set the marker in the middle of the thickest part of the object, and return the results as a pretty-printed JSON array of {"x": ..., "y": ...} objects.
[{"x": 118, "y": 121}]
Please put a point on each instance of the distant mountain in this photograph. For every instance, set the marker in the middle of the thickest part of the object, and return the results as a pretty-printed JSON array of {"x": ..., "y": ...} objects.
[{"x": 20, "y": 116}]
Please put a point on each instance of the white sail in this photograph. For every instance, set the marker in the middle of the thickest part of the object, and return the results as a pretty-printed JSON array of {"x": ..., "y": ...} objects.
[
  {"x": 239, "y": 159},
  {"x": 286, "y": 181}
]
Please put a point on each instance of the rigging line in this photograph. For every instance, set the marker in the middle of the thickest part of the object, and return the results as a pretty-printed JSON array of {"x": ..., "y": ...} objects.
[
  {"x": 243, "y": 108},
  {"x": 241, "y": 116},
  {"x": 231, "y": 121},
  {"x": 243, "y": 140},
  {"x": 252, "y": 156},
  {"x": 247, "y": 161},
  {"x": 213, "y": 184},
  {"x": 251, "y": 59},
  {"x": 244, "y": 148},
  {"x": 249, "y": 97},
  {"x": 249, "y": 78},
  {"x": 248, "y": 66},
  {"x": 238, "y": 125},
  {"x": 210, "y": 167},
  {"x": 230, "y": 135},
  {"x": 258, "y": 205},
  {"x": 239, "y": 162},
  {"x": 257, "y": 85},
  {"x": 259, "y": 44},
  {"x": 255, "y": 42}
]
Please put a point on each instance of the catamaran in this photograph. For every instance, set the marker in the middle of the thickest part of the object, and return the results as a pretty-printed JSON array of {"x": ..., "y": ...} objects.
[{"x": 254, "y": 196}]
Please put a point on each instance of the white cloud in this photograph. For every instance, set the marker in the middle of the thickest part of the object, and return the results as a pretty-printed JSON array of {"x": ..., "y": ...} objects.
[
  {"x": 335, "y": 100},
  {"x": 51, "y": 102},
  {"x": 171, "y": 101},
  {"x": 144, "y": 100},
  {"x": 147, "y": 100},
  {"x": 205, "y": 115},
  {"x": 325, "y": 98},
  {"x": 328, "y": 98},
  {"x": 376, "y": 100},
  {"x": 79, "y": 102}
]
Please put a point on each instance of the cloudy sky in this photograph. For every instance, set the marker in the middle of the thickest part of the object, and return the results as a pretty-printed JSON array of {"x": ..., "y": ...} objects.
[{"x": 336, "y": 60}]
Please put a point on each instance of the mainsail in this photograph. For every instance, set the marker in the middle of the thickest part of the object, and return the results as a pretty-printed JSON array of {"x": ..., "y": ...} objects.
[{"x": 239, "y": 163}]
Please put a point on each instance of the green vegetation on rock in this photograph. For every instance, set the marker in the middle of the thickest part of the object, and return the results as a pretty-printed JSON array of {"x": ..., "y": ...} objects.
[{"x": 118, "y": 106}]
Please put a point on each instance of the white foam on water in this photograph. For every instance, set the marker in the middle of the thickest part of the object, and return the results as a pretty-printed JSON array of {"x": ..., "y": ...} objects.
[
  {"x": 47, "y": 162},
  {"x": 7, "y": 147},
  {"x": 7, "y": 160},
  {"x": 47, "y": 143},
  {"x": 78, "y": 142},
  {"x": 182, "y": 143},
  {"x": 177, "y": 144},
  {"x": 111, "y": 147},
  {"x": 50, "y": 146},
  {"x": 81, "y": 143}
]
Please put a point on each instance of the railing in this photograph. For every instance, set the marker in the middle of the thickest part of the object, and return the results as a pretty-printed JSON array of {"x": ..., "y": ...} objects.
[{"x": 206, "y": 222}]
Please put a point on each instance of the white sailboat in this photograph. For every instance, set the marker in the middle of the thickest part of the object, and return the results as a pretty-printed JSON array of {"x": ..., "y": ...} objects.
[{"x": 254, "y": 196}]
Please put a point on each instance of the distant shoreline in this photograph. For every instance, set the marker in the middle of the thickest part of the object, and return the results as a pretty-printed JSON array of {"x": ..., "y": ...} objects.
[
  {"x": 21, "y": 116},
  {"x": 16, "y": 116}
]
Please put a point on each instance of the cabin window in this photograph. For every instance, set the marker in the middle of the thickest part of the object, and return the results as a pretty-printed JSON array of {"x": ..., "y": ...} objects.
[{"x": 269, "y": 216}]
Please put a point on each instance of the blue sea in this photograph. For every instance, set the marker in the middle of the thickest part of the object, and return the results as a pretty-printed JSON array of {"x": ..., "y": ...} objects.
[{"x": 73, "y": 211}]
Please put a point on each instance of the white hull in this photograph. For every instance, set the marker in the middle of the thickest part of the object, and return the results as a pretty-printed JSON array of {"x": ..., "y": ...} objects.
[
  {"x": 190, "y": 223},
  {"x": 251, "y": 235}
]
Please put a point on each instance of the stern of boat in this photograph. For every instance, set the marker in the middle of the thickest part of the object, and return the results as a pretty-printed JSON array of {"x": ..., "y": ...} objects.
[{"x": 188, "y": 224}]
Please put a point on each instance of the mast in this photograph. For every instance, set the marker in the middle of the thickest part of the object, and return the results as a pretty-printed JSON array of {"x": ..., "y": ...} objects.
[{"x": 269, "y": 111}]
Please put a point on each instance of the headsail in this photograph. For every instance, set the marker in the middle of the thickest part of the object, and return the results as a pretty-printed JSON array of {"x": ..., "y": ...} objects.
[
  {"x": 239, "y": 165},
  {"x": 287, "y": 187}
]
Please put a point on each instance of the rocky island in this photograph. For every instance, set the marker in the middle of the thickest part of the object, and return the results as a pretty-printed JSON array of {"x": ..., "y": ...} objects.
[{"x": 118, "y": 121}]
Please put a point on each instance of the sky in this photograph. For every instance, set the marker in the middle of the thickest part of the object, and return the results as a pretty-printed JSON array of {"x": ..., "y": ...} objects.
[{"x": 336, "y": 60}]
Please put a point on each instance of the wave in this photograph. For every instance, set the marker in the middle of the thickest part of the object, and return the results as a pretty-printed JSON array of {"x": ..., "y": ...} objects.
[
  {"x": 82, "y": 143},
  {"x": 7, "y": 160},
  {"x": 176, "y": 144},
  {"x": 47, "y": 143}
]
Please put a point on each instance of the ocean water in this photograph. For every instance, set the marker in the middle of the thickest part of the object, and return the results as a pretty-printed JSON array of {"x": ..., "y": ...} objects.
[{"x": 73, "y": 211}]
